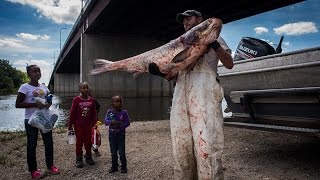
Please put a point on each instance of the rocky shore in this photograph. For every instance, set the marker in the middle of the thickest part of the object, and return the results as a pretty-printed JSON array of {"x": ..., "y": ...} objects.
[{"x": 249, "y": 154}]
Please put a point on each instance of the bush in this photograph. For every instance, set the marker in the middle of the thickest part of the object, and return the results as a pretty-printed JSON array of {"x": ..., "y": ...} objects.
[{"x": 10, "y": 78}]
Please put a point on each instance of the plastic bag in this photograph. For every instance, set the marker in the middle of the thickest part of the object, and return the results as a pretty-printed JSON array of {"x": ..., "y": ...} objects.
[
  {"x": 43, "y": 119},
  {"x": 95, "y": 138},
  {"x": 71, "y": 137},
  {"x": 45, "y": 100}
]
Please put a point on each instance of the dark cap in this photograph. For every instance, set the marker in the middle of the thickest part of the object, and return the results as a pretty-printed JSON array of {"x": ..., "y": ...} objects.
[{"x": 180, "y": 16}]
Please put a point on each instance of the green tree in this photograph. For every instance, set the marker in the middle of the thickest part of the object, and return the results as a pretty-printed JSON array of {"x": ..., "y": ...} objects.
[
  {"x": 10, "y": 78},
  {"x": 23, "y": 77}
]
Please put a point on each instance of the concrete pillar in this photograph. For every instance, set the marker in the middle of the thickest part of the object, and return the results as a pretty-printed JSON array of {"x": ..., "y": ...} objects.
[
  {"x": 120, "y": 83},
  {"x": 66, "y": 84}
]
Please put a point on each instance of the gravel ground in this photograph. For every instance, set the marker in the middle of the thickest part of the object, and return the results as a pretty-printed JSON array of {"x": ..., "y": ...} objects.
[{"x": 249, "y": 154}]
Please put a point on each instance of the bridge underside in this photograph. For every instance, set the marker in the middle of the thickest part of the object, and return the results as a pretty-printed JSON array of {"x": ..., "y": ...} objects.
[
  {"x": 157, "y": 18},
  {"x": 113, "y": 29}
]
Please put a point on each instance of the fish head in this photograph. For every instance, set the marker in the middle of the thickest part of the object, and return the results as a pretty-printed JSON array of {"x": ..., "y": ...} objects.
[{"x": 203, "y": 33}]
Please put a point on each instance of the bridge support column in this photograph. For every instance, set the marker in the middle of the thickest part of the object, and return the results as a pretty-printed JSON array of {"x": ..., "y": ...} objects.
[{"x": 120, "y": 83}]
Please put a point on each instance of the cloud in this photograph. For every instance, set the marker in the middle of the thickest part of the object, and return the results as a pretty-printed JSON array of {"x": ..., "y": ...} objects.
[
  {"x": 12, "y": 43},
  {"x": 32, "y": 37},
  {"x": 268, "y": 41},
  {"x": 24, "y": 43},
  {"x": 46, "y": 68},
  {"x": 296, "y": 28},
  {"x": 284, "y": 43},
  {"x": 61, "y": 12},
  {"x": 260, "y": 30},
  {"x": 287, "y": 43}
]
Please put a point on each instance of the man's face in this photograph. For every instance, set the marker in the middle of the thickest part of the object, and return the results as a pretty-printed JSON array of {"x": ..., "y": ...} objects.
[{"x": 191, "y": 21}]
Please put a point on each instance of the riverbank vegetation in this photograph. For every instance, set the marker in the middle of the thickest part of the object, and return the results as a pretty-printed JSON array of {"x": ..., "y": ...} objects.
[
  {"x": 8, "y": 136},
  {"x": 11, "y": 144},
  {"x": 10, "y": 78},
  {"x": 14, "y": 143}
]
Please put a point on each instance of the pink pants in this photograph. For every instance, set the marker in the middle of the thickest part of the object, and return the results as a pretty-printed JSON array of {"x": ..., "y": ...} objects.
[{"x": 196, "y": 122}]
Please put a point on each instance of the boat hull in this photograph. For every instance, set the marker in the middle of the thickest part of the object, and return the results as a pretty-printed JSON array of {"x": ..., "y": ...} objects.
[{"x": 276, "y": 89}]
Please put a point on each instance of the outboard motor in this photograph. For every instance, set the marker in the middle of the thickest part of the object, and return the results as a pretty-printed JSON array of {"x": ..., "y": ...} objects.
[
  {"x": 250, "y": 47},
  {"x": 279, "y": 49}
]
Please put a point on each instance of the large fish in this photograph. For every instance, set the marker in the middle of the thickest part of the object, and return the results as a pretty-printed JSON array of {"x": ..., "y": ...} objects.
[{"x": 168, "y": 59}]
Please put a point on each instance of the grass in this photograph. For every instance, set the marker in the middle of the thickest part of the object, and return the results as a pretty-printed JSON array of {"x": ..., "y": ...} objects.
[
  {"x": 8, "y": 136},
  {"x": 15, "y": 148},
  {"x": 4, "y": 160},
  {"x": 11, "y": 135},
  {"x": 18, "y": 146},
  {"x": 60, "y": 130}
]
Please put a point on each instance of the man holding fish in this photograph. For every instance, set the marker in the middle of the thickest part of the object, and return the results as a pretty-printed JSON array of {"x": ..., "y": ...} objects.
[{"x": 196, "y": 118}]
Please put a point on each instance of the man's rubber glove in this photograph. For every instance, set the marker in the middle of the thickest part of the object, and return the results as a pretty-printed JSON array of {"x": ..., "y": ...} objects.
[{"x": 215, "y": 45}]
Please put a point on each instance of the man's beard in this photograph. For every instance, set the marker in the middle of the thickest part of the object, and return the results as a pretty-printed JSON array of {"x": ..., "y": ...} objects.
[
  {"x": 190, "y": 26},
  {"x": 187, "y": 28}
]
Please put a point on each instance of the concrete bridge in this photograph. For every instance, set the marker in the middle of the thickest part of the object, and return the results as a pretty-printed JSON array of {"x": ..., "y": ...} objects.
[{"x": 117, "y": 29}]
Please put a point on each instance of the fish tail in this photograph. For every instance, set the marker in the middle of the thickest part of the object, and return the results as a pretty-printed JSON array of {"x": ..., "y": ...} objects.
[{"x": 102, "y": 66}]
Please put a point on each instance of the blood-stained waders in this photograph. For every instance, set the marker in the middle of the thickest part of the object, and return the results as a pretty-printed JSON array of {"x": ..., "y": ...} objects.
[{"x": 196, "y": 122}]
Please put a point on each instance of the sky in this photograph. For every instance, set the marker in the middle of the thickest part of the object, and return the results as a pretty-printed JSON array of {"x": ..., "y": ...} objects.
[{"x": 30, "y": 29}]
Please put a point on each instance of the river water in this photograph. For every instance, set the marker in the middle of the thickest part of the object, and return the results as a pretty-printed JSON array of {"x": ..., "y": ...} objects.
[{"x": 139, "y": 109}]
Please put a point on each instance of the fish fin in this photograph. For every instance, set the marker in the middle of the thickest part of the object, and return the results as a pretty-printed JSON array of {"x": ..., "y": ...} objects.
[
  {"x": 153, "y": 69},
  {"x": 102, "y": 66},
  {"x": 181, "y": 56}
]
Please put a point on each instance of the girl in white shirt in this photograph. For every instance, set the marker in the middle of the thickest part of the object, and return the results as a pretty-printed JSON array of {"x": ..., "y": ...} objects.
[{"x": 26, "y": 99}]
